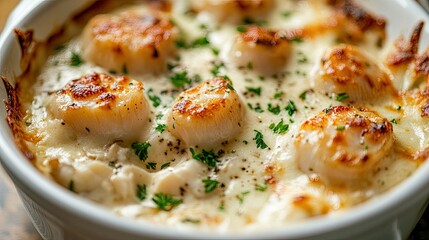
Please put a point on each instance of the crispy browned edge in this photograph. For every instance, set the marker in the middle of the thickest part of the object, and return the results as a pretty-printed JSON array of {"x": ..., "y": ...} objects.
[{"x": 14, "y": 111}]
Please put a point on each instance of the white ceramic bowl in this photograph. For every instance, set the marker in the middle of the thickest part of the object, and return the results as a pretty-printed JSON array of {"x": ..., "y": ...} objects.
[{"x": 59, "y": 214}]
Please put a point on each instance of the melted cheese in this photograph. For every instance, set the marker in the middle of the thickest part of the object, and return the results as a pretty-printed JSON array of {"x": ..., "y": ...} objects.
[{"x": 260, "y": 185}]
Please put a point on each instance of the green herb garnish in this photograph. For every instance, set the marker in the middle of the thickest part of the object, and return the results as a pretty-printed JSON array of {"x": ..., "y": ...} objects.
[
  {"x": 291, "y": 108},
  {"x": 279, "y": 128},
  {"x": 75, "y": 60},
  {"x": 140, "y": 150},
  {"x": 342, "y": 96},
  {"x": 259, "y": 139},
  {"x": 165, "y": 201},
  {"x": 141, "y": 192},
  {"x": 207, "y": 157},
  {"x": 180, "y": 79},
  {"x": 210, "y": 185}
]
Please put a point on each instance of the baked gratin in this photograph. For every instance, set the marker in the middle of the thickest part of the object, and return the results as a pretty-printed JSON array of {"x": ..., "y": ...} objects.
[{"x": 223, "y": 115}]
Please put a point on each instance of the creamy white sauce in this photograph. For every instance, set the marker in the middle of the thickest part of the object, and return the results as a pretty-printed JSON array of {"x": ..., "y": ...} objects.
[{"x": 109, "y": 173}]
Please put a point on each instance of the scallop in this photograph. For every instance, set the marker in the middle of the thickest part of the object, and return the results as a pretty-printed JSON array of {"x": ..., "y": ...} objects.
[
  {"x": 234, "y": 10},
  {"x": 131, "y": 41},
  {"x": 345, "y": 69},
  {"x": 260, "y": 49},
  {"x": 206, "y": 114},
  {"x": 344, "y": 145},
  {"x": 102, "y": 105}
]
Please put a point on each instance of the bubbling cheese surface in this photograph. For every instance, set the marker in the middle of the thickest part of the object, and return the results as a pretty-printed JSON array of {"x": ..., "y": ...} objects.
[{"x": 251, "y": 179}]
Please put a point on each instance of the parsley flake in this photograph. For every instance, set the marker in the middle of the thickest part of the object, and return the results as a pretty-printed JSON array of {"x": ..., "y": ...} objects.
[
  {"x": 200, "y": 42},
  {"x": 242, "y": 195},
  {"x": 278, "y": 94},
  {"x": 165, "y": 201},
  {"x": 303, "y": 95},
  {"x": 156, "y": 101},
  {"x": 140, "y": 150},
  {"x": 276, "y": 110},
  {"x": 210, "y": 185},
  {"x": 340, "y": 128},
  {"x": 394, "y": 121},
  {"x": 286, "y": 14},
  {"x": 342, "y": 96},
  {"x": 241, "y": 29},
  {"x": 261, "y": 188},
  {"x": 141, "y": 192},
  {"x": 165, "y": 165},
  {"x": 71, "y": 186},
  {"x": 297, "y": 40},
  {"x": 216, "y": 69},
  {"x": 257, "y": 108},
  {"x": 279, "y": 128},
  {"x": 256, "y": 90},
  {"x": 180, "y": 79},
  {"x": 259, "y": 139},
  {"x": 161, "y": 128},
  {"x": 209, "y": 158},
  {"x": 291, "y": 108},
  {"x": 75, "y": 60},
  {"x": 151, "y": 165}
]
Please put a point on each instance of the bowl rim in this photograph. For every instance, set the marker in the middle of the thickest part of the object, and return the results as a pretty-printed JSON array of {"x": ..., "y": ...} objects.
[{"x": 382, "y": 207}]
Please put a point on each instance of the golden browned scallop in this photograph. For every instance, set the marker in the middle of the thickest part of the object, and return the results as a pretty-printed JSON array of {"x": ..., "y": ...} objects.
[
  {"x": 101, "y": 105},
  {"x": 343, "y": 145},
  {"x": 135, "y": 41},
  {"x": 206, "y": 114},
  {"x": 345, "y": 69},
  {"x": 265, "y": 50},
  {"x": 234, "y": 10}
]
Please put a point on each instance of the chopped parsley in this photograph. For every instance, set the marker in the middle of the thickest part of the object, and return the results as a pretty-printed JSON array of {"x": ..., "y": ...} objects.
[
  {"x": 399, "y": 108},
  {"x": 200, "y": 42},
  {"x": 242, "y": 195},
  {"x": 75, "y": 60},
  {"x": 215, "y": 51},
  {"x": 180, "y": 79},
  {"x": 340, "y": 128},
  {"x": 279, "y": 128},
  {"x": 342, "y": 96},
  {"x": 286, "y": 14},
  {"x": 216, "y": 69},
  {"x": 257, "y": 108},
  {"x": 297, "y": 40},
  {"x": 141, "y": 150},
  {"x": 276, "y": 110},
  {"x": 261, "y": 188},
  {"x": 165, "y": 165},
  {"x": 303, "y": 95},
  {"x": 278, "y": 94},
  {"x": 124, "y": 69},
  {"x": 156, "y": 101},
  {"x": 161, "y": 128},
  {"x": 210, "y": 185},
  {"x": 250, "y": 65},
  {"x": 291, "y": 108},
  {"x": 209, "y": 158},
  {"x": 259, "y": 139},
  {"x": 151, "y": 165},
  {"x": 191, "y": 220},
  {"x": 165, "y": 201},
  {"x": 141, "y": 192},
  {"x": 394, "y": 121},
  {"x": 256, "y": 90},
  {"x": 241, "y": 29},
  {"x": 71, "y": 186}
]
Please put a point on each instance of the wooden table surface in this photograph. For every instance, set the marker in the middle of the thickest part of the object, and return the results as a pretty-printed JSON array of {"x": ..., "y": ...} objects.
[{"x": 14, "y": 221}]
